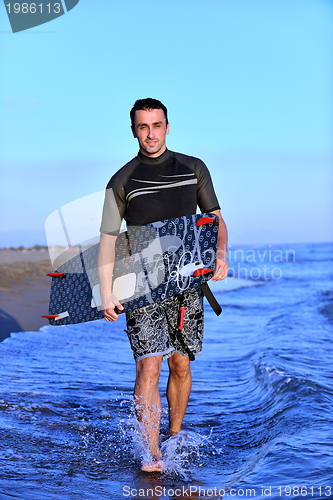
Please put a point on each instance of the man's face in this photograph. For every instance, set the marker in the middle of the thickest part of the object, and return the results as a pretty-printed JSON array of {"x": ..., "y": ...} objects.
[{"x": 150, "y": 130}]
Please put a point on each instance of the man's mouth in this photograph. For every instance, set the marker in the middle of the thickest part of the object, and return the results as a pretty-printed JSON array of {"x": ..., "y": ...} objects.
[{"x": 151, "y": 143}]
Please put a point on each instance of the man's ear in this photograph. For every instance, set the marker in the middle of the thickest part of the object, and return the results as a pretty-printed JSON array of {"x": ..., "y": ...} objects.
[
  {"x": 133, "y": 132},
  {"x": 167, "y": 129}
]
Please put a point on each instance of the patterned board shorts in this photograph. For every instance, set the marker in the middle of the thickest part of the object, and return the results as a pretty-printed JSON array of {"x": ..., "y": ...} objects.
[{"x": 153, "y": 330}]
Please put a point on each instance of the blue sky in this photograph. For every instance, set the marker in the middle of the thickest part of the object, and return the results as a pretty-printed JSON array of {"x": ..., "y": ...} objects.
[{"x": 248, "y": 86}]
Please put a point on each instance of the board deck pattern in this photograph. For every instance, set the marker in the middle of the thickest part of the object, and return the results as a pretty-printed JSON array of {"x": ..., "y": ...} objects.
[{"x": 157, "y": 261}]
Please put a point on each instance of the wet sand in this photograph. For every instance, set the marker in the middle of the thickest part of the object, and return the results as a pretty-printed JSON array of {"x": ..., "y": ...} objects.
[{"x": 24, "y": 290}]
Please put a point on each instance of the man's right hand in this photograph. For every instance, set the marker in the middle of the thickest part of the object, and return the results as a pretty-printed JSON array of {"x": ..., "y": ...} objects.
[{"x": 108, "y": 308}]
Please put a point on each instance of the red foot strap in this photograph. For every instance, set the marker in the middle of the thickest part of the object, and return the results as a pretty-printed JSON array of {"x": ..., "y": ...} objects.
[
  {"x": 181, "y": 317},
  {"x": 57, "y": 275},
  {"x": 51, "y": 316},
  {"x": 201, "y": 272},
  {"x": 205, "y": 220}
]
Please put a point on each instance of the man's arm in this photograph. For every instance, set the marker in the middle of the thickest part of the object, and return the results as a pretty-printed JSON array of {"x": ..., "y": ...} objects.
[
  {"x": 106, "y": 259},
  {"x": 222, "y": 267}
]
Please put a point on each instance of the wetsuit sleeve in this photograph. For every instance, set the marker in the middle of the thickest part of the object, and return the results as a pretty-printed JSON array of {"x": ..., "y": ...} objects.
[
  {"x": 115, "y": 199},
  {"x": 206, "y": 197},
  {"x": 113, "y": 209}
]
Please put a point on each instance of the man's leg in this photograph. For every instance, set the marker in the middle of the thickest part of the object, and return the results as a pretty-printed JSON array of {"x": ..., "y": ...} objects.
[
  {"x": 148, "y": 402},
  {"x": 178, "y": 390}
]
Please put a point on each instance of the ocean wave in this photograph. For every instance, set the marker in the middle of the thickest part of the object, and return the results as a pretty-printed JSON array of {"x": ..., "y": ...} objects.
[
  {"x": 326, "y": 306},
  {"x": 294, "y": 387},
  {"x": 233, "y": 284}
]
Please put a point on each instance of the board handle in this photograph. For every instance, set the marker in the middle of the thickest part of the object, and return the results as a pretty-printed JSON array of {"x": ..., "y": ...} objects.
[{"x": 118, "y": 311}]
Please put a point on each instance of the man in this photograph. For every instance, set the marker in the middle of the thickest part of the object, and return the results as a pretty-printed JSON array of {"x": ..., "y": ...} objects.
[{"x": 158, "y": 184}]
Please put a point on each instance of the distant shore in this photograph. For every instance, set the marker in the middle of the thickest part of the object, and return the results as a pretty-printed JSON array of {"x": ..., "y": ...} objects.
[
  {"x": 24, "y": 290},
  {"x": 10, "y": 255}
]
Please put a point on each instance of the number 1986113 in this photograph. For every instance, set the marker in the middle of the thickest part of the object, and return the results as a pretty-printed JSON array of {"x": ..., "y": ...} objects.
[
  {"x": 295, "y": 491},
  {"x": 32, "y": 8}
]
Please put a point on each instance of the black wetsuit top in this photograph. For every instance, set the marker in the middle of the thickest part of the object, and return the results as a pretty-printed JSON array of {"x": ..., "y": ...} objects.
[{"x": 147, "y": 190}]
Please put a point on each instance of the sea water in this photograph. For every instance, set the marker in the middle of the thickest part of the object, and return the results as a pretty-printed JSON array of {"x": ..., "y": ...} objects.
[{"x": 259, "y": 421}]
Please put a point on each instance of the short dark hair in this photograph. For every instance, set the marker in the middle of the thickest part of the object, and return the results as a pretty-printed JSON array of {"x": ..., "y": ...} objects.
[{"x": 147, "y": 105}]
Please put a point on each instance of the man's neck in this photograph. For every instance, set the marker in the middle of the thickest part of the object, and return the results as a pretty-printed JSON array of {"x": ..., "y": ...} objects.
[
  {"x": 153, "y": 155},
  {"x": 158, "y": 160}
]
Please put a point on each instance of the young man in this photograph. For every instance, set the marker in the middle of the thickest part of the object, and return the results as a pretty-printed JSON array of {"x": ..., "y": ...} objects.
[{"x": 158, "y": 184}]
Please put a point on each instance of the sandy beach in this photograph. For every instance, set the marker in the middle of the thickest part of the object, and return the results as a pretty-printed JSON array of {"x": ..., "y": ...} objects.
[{"x": 24, "y": 290}]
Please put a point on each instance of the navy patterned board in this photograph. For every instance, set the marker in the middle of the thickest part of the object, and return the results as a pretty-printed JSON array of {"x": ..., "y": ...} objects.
[{"x": 152, "y": 263}]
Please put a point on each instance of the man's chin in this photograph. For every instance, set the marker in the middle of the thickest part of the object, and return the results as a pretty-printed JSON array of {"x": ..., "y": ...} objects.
[{"x": 152, "y": 150}]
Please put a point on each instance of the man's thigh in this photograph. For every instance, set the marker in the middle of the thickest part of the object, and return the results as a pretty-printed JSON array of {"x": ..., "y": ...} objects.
[
  {"x": 148, "y": 332},
  {"x": 189, "y": 339},
  {"x": 153, "y": 330}
]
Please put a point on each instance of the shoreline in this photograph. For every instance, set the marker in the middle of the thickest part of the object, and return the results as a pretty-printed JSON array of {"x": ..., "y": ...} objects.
[{"x": 24, "y": 290}]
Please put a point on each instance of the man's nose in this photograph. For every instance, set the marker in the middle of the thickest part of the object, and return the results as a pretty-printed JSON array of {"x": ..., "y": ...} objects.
[{"x": 151, "y": 133}]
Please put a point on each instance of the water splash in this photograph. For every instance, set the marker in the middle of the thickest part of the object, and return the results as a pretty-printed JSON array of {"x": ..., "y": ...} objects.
[{"x": 181, "y": 454}]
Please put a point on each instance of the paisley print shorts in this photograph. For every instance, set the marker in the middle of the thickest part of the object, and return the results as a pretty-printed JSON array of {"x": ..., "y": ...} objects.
[{"x": 153, "y": 330}]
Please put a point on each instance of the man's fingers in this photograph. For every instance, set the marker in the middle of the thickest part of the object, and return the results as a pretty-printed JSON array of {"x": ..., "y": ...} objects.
[
  {"x": 112, "y": 308},
  {"x": 110, "y": 314},
  {"x": 221, "y": 272}
]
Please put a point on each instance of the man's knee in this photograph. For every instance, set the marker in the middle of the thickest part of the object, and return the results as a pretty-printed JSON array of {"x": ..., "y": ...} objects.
[
  {"x": 180, "y": 366},
  {"x": 148, "y": 369}
]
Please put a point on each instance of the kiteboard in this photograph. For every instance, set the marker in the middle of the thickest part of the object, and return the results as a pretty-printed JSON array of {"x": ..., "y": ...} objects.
[{"x": 152, "y": 263}]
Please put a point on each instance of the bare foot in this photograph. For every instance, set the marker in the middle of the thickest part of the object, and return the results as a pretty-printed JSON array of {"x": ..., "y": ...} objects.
[
  {"x": 172, "y": 433},
  {"x": 154, "y": 466}
]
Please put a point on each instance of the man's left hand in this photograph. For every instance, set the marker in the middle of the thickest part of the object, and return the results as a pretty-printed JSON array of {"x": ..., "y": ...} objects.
[{"x": 222, "y": 268}]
